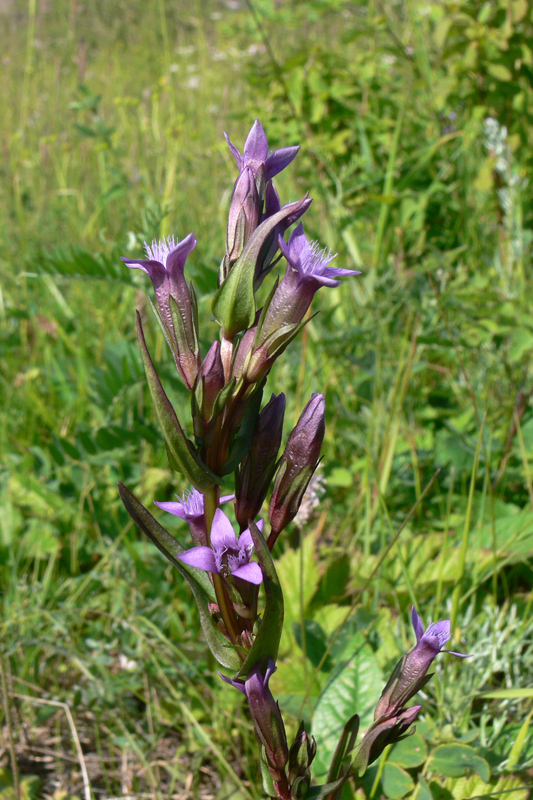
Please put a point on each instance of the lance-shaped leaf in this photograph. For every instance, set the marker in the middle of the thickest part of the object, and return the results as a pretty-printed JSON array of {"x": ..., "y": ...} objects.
[
  {"x": 327, "y": 790},
  {"x": 234, "y": 303},
  {"x": 266, "y": 644},
  {"x": 341, "y": 761},
  {"x": 199, "y": 582},
  {"x": 181, "y": 452}
]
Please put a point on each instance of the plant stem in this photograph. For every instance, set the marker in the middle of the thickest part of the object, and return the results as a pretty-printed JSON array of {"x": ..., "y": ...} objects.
[{"x": 211, "y": 500}]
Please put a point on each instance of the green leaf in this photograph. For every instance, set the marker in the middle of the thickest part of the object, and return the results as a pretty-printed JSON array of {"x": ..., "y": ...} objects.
[
  {"x": 354, "y": 687},
  {"x": 180, "y": 451},
  {"x": 500, "y": 72},
  {"x": 409, "y": 752},
  {"x": 325, "y": 790},
  {"x": 508, "y": 694},
  {"x": 268, "y": 637},
  {"x": 454, "y": 760},
  {"x": 396, "y": 782},
  {"x": 234, "y": 303},
  {"x": 197, "y": 579},
  {"x": 341, "y": 761}
]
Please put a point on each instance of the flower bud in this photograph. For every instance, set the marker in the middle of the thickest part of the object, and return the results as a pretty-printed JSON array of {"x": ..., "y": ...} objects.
[
  {"x": 410, "y": 673},
  {"x": 259, "y": 464},
  {"x": 301, "y": 755},
  {"x": 380, "y": 734},
  {"x": 297, "y": 466},
  {"x": 265, "y": 713},
  {"x": 209, "y": 382},
  {"x": 243, "y": 216}
]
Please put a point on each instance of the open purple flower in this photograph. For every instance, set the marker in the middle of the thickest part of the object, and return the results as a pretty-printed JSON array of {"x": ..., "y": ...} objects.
[
  {"x": 430, "y": 642},
  {"x": 256, "y": 153},
  {"x": 228, "y": 555},
  {"x": 190, "y": 507},
  {"x": 307, "y": 271},
  {"x": 165, "y": 264}
]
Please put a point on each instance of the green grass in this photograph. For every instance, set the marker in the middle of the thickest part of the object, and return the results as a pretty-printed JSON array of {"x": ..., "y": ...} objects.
[{"x": 112, "y": 133}]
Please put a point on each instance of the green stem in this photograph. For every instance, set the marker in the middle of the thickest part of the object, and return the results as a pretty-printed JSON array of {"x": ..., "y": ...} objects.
[{"x": 211, "y": 500}]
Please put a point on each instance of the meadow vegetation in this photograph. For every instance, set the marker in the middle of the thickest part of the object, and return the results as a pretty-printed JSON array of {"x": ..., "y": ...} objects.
[{"x": 415, "y": 120}]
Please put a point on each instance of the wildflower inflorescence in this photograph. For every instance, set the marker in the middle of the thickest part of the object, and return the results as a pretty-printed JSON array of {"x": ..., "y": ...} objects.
[{"x": 229, "y": 564}]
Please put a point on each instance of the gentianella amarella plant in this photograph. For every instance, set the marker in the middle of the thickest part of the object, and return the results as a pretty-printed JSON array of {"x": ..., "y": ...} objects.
[{"x": 230, "y": 569}]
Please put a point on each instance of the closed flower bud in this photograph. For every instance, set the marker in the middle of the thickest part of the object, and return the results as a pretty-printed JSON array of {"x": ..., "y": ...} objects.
[
  {"x": 297, "y": 466},
  {"x": 259, "y": 464},
  {"x": 301, "y": 755},
  {"x": 209, "y": 382},
  {"x": 243, "y": 217}
]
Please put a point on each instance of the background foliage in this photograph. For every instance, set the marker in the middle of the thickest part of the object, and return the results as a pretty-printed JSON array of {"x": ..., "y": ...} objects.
[{"x": 416, "y": 124}]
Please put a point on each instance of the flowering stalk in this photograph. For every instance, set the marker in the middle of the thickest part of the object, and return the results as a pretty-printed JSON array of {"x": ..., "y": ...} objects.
[{"x": 230, "y": 569}]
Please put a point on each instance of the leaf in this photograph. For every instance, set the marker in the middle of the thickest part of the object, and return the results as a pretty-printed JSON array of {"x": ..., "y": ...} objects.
[
  {"x": 455, "y": 760},
  {"x": 217, "y": 642},
  {"x": 500, "y": 72},
  {"x": 508, "y": 694},
  {"x": 315, "y": 644},
  {"x": 180, "y": 451},
  {"x": 341, "y": 761},
  {"x": 268, "y": 637},
  {"x": 409, "y": 752},
  {"x": 354, "y": 687},
  {"x": 396, "y": 782}
]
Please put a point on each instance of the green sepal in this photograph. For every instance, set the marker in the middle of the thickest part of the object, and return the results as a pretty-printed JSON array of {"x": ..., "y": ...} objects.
[
  {"x": 341, "y": 761},
  {"x": 163, "y": 540},
  {"x": 268, "y": 783},
  {"x": 198, "y": 580},
  {"x": 222, "y": 398},
  {"x": 328, "y": 790},
  {"x": 181, "y": 452},
  {"x": 246, "y": 430},
  {"x": 266, "y": 644},
  {"x": 185, "y": 345},
  {"x": 170, "y": 340},
  {"x": 234, "y": 303}
]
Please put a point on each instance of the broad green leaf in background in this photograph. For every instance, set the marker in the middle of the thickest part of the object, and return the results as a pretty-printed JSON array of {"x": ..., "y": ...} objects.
[
  {"x": 353, "y": 688},
  {"x": 455, "y": 760}
]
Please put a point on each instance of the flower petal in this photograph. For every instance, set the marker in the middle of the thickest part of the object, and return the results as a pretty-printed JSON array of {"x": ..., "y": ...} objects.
[
  {"x": 236, "y": 154},
  {"x": 256, "y": 145},
  {"x": 200, "y": 557},
  {"x": 173, "y": 508},
  {"x": 249, "y": 572},
  {"x": 222, "y": 533},
  {"x": 178, "y": 256},
  {"x": 279, "y": 160},
  {"x": 417, "y": 624}
]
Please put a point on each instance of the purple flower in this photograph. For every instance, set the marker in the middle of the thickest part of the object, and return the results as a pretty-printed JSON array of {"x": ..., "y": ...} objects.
[
  {"x": 296, "y": 466},
  {"x": 265, "y": 712},
  {"x": 430, "y": 642},
  {"x": 309, "y": 261},
  {"x": 409, "y": 675},
  {"x": 307, "y": 271},
  {"x": 165, "y": 264},
  {"x": 256, "y": 154},
  {"x": 227, "y": 555},
  {"x": 191, "y": 508}
]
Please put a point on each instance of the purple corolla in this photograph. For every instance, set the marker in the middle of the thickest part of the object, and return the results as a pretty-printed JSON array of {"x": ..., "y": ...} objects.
[
  {"x": 190, "y": 507},
  {"x": 256, "y": 154},
  {"x": 165, "y": 264},
  {"x": 227, "y": 555},
  {"x": 409, "y": 675},
  {"x": 265, "y": 712},
  {"x": 307, "y": 271}
]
